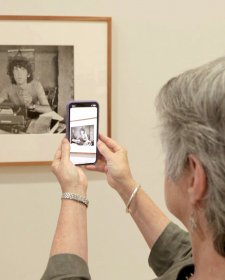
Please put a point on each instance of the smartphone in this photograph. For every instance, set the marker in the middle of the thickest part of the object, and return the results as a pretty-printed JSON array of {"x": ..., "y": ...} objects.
[{"x": 82, "y": 131}]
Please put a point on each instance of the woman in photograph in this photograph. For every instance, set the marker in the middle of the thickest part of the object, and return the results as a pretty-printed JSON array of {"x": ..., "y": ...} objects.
[
  {"x": 24, "y": 92},
  {"x": 83, "y": 139}
]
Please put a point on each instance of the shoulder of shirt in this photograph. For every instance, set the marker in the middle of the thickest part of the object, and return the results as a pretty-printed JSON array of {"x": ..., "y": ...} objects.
[
  {"x": 9, "y": 88},
  {"x": 35, "y": 84}
]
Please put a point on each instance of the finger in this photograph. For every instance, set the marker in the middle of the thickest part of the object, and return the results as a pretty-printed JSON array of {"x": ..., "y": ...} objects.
[
  {"x": 65, "y": 150},
  {"x": 90, "y": 167},
  {"x": 104, "y": 150},
  {"x": 56, "y": 159},
  {"x": 95, "y": 168},
  {"x": 58, "y": 153},
  {"x": 57, "y": 156},
  {"x": 110, "y": 143},
  {"x": 99, "y": 166},
  {"x": 100, "y": 157}
]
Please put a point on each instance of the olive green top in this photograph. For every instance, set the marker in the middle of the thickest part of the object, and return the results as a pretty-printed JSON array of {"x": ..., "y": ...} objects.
[
  {"x": 170, "y": 259},
  {"x": 171, "y": 255},
  {"x": 66, "y": 267}
]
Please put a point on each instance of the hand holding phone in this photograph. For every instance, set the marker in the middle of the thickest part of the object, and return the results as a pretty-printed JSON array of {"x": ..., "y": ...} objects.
[{"x": 82, "y": 131}]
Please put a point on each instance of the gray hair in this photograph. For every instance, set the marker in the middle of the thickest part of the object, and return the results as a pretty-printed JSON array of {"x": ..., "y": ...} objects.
[{"x": 192, "y": 113}]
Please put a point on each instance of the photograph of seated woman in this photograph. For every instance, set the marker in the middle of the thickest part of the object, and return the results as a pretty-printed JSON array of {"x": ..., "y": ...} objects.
[
  {"x": 83, "y": 139},
  {"x": 24, "y": 93}
]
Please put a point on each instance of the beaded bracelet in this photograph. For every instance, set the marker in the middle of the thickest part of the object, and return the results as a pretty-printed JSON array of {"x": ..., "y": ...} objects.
[{"x": 75, "y": 197}]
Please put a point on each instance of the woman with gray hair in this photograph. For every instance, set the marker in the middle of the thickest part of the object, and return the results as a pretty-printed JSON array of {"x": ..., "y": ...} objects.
[{"x": 191, "y": 108}]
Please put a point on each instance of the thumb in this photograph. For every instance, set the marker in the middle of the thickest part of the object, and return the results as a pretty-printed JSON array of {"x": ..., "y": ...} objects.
[
  {"x": 104, "y": 150},
  {"x": 65, "y": 150}
]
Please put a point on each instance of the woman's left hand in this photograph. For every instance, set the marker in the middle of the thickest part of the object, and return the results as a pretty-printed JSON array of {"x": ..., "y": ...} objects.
[{"x": 71, "y": 178}]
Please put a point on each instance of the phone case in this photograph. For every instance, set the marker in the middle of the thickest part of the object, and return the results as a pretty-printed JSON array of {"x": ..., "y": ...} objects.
[{"x": 68, "y": 121}]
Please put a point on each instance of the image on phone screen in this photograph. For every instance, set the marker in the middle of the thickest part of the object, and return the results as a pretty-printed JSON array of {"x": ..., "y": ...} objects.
[{"x": 83, "y": 126}]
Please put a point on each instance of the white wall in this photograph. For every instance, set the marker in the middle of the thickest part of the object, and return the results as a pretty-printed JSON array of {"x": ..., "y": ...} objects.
[{"x": 152, "y": 41}]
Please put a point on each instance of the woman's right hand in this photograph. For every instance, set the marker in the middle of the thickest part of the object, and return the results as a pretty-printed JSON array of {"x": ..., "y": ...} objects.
[
  {"x": 71, "y": 178},
  {"x": 113, "y": 161}
]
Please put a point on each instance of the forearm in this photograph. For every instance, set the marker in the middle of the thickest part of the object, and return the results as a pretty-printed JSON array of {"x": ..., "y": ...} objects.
[
  {"x": 150, "y": 220},
  {"x": 71, "y": 232},
  {"x": 2, "y": 100},
  {"x": 42, "y": 108}
]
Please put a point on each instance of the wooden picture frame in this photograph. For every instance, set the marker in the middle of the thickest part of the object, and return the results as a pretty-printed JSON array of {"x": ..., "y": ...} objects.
[{"x": 80, "y": 50}]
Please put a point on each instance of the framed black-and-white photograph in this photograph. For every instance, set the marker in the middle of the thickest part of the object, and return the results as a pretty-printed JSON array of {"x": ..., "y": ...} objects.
[{"x": 45, "y": 62}]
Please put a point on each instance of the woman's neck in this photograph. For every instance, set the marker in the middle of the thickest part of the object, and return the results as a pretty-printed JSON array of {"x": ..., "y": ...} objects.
[
  {"x": 208, "y": 263},
  {"x": 24, "y": 85}
]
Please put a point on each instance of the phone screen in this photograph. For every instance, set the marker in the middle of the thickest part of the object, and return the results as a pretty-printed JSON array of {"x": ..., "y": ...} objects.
[{"x": 83, "y": 132}]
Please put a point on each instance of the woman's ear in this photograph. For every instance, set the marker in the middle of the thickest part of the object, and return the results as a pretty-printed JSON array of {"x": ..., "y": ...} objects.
[{"x": 197, "y": 186}]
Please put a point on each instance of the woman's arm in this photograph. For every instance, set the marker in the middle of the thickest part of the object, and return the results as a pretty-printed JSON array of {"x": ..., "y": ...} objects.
[
  {"x": 43, "y": 104},
  {"x": 3, "y": 95},
  {"x": 71, "y": 232},
  {"x": 69, "y": 253},
  {"x": 150, "y": 220}
]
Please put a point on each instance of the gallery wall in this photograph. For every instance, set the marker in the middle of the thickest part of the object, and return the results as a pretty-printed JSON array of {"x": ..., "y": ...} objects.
[{"x": 151, "y": 42}]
